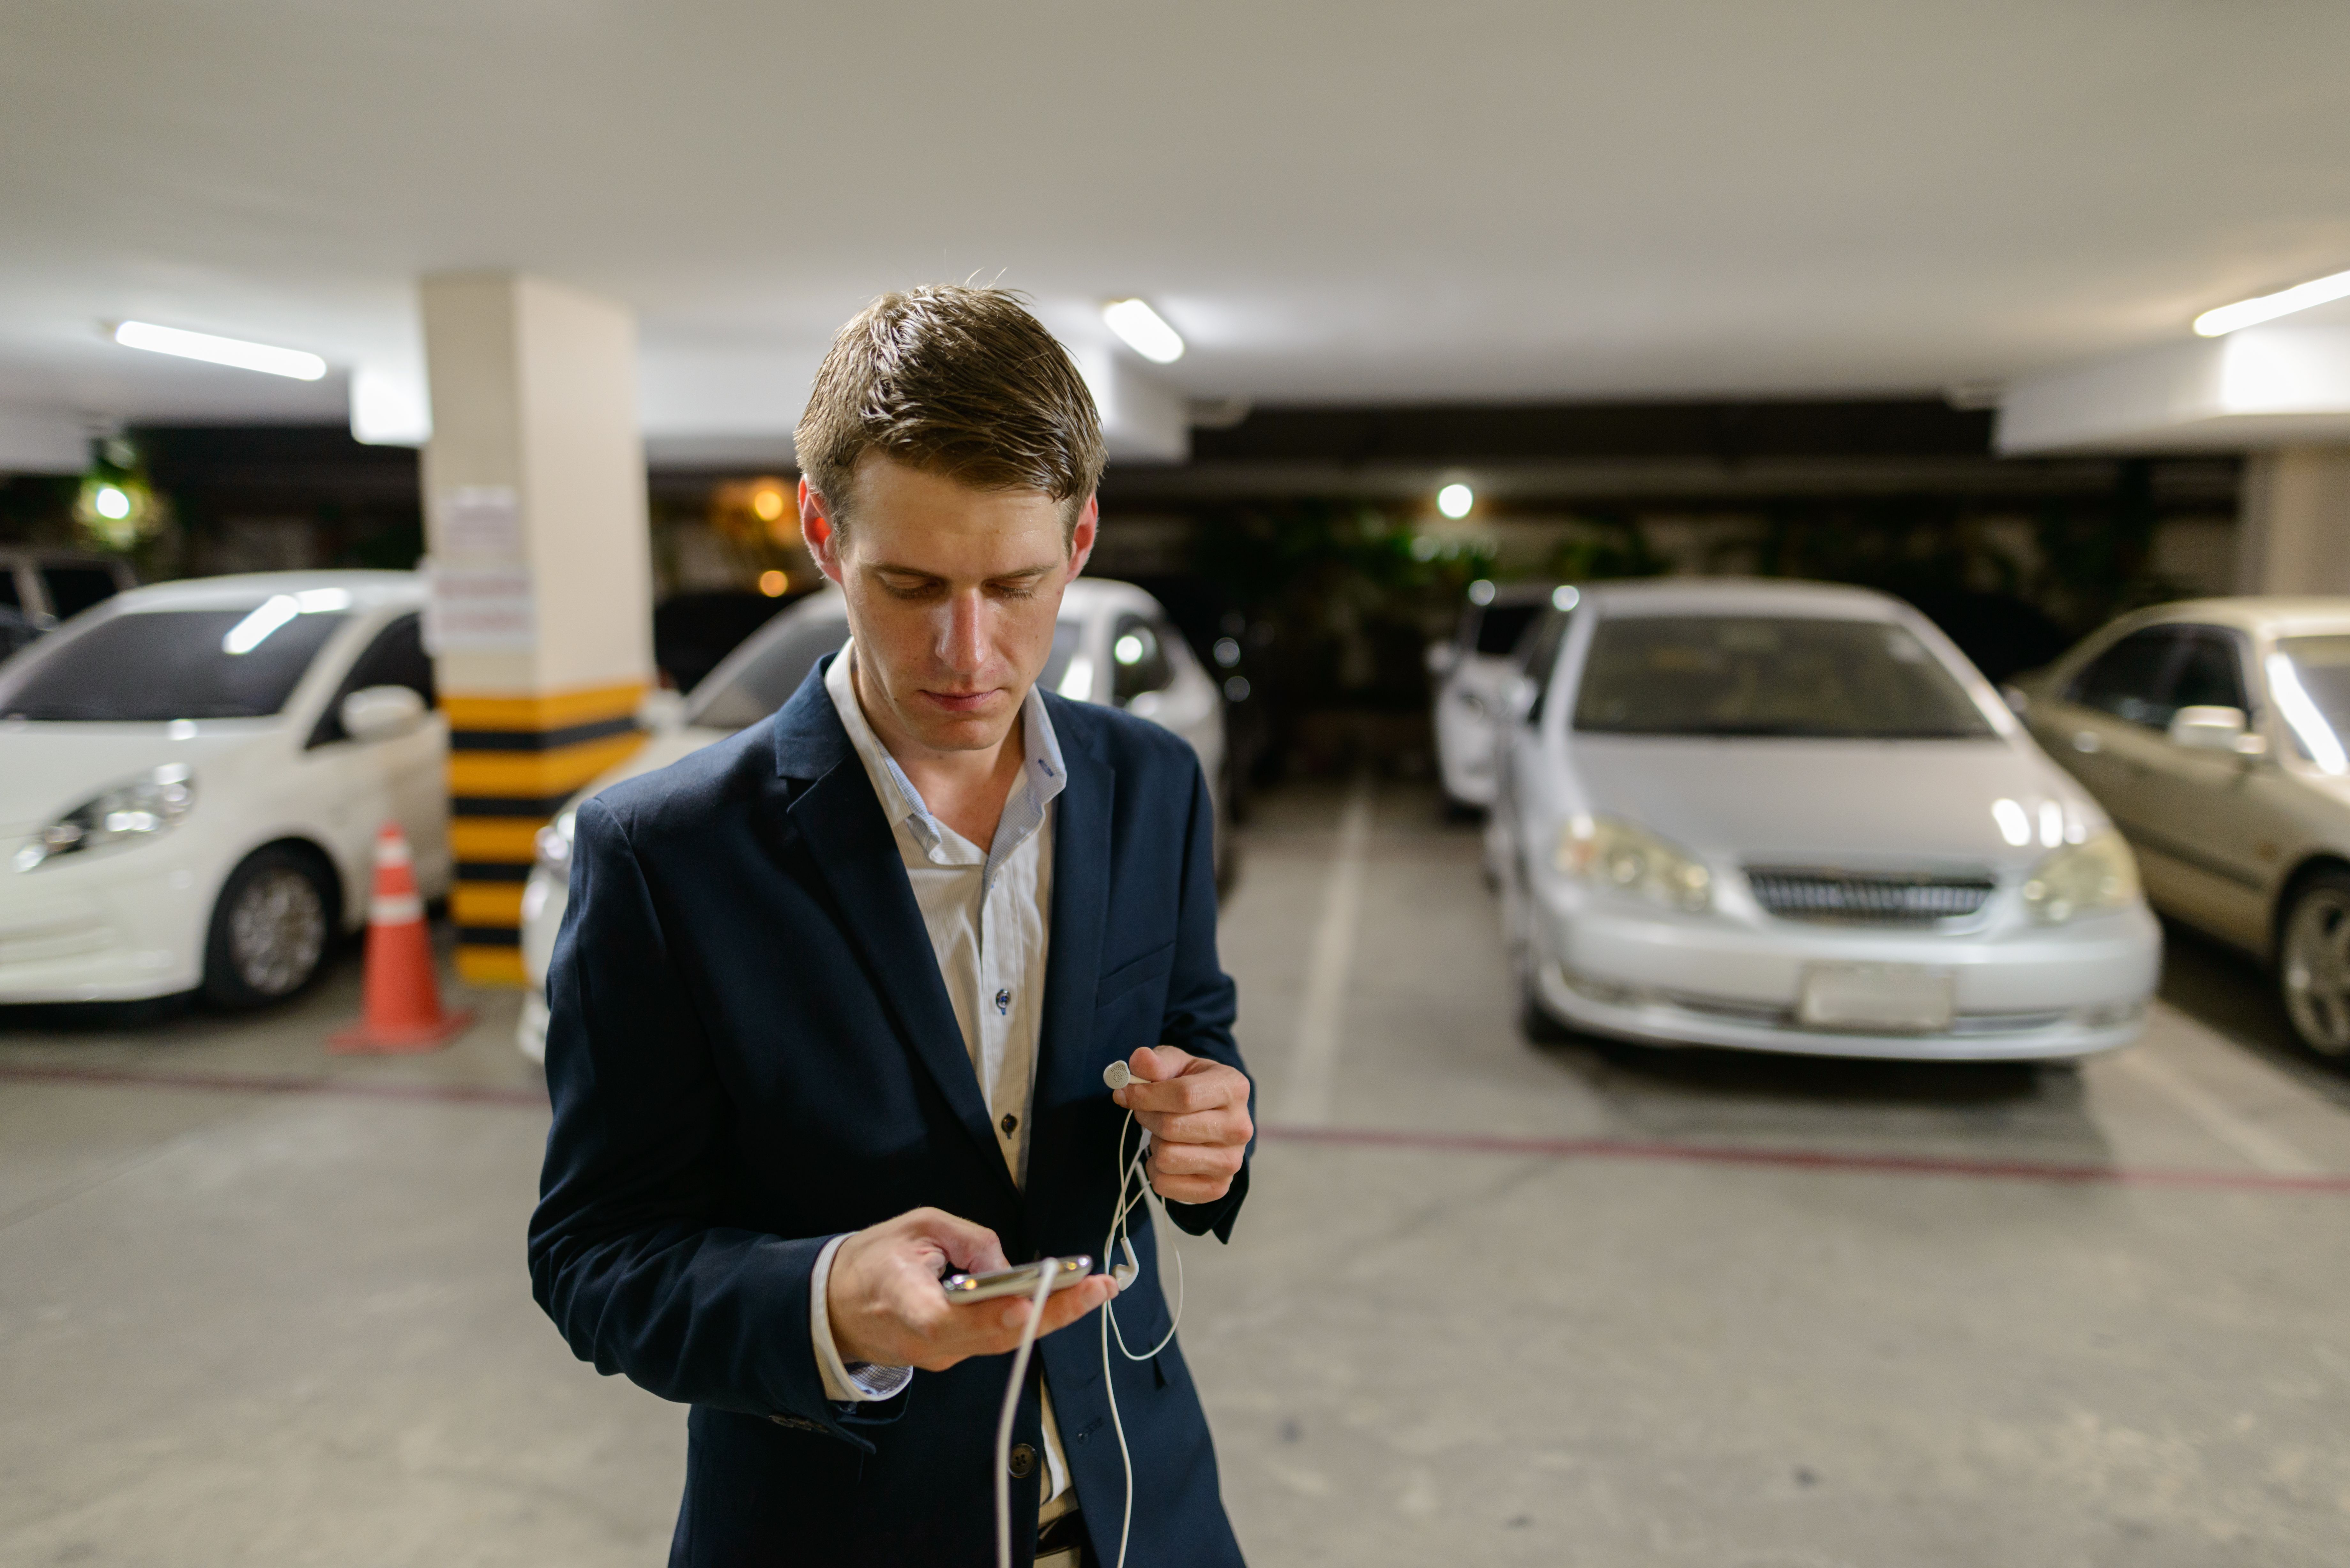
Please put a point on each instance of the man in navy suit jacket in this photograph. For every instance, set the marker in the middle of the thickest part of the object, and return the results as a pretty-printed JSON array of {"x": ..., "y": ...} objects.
[{"x": 833, "y": 1001}]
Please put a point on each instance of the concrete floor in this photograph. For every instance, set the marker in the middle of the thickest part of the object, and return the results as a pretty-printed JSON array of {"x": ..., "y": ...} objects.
[{"x": 1489, "y": 1303}]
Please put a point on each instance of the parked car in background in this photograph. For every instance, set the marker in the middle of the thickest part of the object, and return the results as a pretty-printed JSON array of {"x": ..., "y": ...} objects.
[
  {"x": 2217, "y": 734},
  {"x": 1473, "y": 670},
  {"x": 191, "y": 777},
  {"x": 1113, "y": 645},
  {"x": 46, "y": 587},
  {"x": 1789, "y": 816}
]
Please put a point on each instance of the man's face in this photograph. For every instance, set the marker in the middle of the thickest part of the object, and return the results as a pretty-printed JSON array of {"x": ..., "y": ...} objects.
[{"x": 953, "y": 594}]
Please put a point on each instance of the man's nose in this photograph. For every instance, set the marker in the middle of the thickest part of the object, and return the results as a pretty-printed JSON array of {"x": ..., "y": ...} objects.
[{"x": 963, "y": 645}]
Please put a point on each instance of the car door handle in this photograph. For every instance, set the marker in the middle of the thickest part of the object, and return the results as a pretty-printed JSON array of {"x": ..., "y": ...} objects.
[{"x": 2086, "y": 741}]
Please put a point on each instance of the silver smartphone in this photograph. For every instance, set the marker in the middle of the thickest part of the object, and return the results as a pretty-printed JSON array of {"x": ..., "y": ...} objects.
[{"x": 1020, "y": 1280}]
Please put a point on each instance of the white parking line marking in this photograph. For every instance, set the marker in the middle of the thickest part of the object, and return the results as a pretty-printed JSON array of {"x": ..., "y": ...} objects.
[
  {"x": 1314, "y": 1060},
  {"x": 2264, "y": 1148}
]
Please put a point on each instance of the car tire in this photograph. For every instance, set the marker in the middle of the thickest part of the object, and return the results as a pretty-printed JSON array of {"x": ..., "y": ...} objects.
[
  {"x": 2313, "y": 962},
  {"x": 1535, "y": 1021},
  {"x": 270, "y": 929}
]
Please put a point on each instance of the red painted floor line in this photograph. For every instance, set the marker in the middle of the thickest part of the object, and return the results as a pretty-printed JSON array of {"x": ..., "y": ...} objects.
[
  {"x": 278, "y": 1084},
  {"x": 1804, "y": 1159},
  {"x": 1338, "y": 1138}
]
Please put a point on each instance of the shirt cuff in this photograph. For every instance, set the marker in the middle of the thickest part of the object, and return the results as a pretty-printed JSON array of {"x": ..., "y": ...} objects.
[{"x": 851, "y": 1382}]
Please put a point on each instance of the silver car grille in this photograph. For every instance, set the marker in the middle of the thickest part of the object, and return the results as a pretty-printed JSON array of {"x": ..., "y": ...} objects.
[{"x": 1894, "y": 897}]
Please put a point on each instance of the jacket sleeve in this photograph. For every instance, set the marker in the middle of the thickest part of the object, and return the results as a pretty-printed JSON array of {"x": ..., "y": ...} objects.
[
  {"x": 628, "y": 1251},
  {"x": 1201, "y": 1002}
]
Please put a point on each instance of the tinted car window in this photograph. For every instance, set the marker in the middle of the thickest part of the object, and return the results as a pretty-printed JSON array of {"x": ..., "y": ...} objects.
[
  {"x": 73, "y": 589},
  {"x": 2208, "y": 674},
  {"x": 1539, "y": 658},
  {"x": 1137, "y": 659},
  {"x": 167, "y": 664},
  {"x": 1757, "y": 675},
  {"x": 2132, "y": 678},
  {"x": 1499, "y": 629},
  {"x": 778, "y": 658},
  {"x": 396, "y": 658}
]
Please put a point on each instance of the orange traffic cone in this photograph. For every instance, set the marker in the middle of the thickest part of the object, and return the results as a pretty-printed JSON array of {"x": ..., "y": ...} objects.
[{"x": 404, "y": 996}]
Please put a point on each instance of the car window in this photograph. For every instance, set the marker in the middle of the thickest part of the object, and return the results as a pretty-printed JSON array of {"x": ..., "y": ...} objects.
[
  {"x": 2309, "y": 680},
  {"x": 761, "y": 676},
  {"x": 1538, "y": 653},
  {"x": 170, "y": 664},
  {"x": 1138, "y": 662},
  {"x": 1770, "y": 675},
  {"x": 2132, "y": 680},
  {"x": 2210, "y": 675},
  {"x": 396, "y": 658},
  {"x": 1061, "y": 674},
  {"x": 73, "y": 589},
  {"x": 8, "y": 593},
  {"x": 1501, "y": 627}
]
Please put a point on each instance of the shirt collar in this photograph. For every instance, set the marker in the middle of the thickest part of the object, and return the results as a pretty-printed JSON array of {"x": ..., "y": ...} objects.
[{"x": 1044, "y": 776}]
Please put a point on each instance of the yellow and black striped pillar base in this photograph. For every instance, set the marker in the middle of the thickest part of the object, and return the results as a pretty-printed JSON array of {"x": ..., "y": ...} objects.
[{"x": 512, "y": 761}]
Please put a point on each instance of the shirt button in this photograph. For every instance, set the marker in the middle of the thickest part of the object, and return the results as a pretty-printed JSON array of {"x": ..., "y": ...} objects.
[
  {"x": 1009, "y": 1122},
  {"x": 1024, "y": 1461},
  {"x": 1002, "y": 1001}
]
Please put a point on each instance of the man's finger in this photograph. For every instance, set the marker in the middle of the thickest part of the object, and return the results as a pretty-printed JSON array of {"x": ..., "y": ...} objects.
[
  {"x": 1224, "y": 1124},
  {"x": 972, "y": 1249},
  {"x": 1195, "y": 1160}
]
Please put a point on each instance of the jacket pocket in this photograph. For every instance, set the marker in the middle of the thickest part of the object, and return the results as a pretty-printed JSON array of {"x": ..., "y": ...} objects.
[{"x": 1134, "y": 973}]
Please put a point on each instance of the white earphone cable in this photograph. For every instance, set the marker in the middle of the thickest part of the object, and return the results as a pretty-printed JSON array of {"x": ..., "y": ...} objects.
[{"x": 1048, "y": 1271}]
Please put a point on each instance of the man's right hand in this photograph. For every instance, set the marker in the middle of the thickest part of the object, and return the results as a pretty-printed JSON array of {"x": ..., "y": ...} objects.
[{"x": 886, "y": 1307}]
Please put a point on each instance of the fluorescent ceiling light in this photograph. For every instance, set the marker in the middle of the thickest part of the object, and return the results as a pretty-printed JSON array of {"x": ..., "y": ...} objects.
[
  {"x": 2268, "y": 307},
  {"x": 220, "y": 350},
  {"x": 1144, "y": 330}
]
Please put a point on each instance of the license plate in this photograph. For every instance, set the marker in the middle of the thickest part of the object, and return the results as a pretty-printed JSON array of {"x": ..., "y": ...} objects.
[{"x": 1897, "y": 998}]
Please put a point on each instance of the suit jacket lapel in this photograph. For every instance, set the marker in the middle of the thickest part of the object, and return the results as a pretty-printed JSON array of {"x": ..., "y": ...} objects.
[
  {"x": 1065, "y": 1070},
  {"x": 841, "y": 822}
]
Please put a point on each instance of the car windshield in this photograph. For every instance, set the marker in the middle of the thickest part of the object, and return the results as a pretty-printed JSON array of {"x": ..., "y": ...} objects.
[
  {"x": 1755, "y": 675},
  {"x": 1499, "y": 629},
  {"x": 2310, "y": 678},
  {"x": 774, "y": 662},
  {"x": 172, "y": 664}
]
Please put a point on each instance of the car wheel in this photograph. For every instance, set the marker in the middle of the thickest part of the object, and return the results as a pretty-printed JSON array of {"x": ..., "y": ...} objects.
[
  {"x": 2314, "y": 963},
  {"x": 270, "y": 929}
]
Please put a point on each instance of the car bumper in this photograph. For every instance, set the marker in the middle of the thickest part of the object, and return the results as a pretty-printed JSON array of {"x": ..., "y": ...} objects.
[
  {"x": 2018, "y": 995},
  {"x": 120, "y": 925}
]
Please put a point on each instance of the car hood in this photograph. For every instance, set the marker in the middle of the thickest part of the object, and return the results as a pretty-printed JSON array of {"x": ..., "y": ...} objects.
[
  {"x": 1862, "y": 804},
  {"x": 47, "y": 769}
]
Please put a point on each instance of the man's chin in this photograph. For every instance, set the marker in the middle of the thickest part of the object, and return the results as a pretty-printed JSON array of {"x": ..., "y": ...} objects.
[{"x": 972, "y": 732}]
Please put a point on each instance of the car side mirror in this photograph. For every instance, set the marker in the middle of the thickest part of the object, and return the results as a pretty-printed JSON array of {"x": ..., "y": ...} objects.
[
  {"x": 2210, "y": 729},
  {"x": 1442, "y": 657},
  {"x": 1521, "y": 696},
  {"x": 383, "y": 713}
]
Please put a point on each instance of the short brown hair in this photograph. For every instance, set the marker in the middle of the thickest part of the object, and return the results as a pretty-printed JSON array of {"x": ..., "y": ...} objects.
[{"x": 958, "y": 382}]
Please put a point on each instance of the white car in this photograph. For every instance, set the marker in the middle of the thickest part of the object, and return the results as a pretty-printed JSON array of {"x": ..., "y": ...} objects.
[
  {"x": 1792, "y": 817},
  {"x": 1473, "y": 672},
  {"x": 1113, "y": 644},
  {"x": 191, "y": 777},
  {"x": 2217, "y": 733}
]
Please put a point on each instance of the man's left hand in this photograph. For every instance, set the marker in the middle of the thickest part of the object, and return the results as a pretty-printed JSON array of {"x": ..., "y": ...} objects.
[{"x": 1196, "y": 1112}]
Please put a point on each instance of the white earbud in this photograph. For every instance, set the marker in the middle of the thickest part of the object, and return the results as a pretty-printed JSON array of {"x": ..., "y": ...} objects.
[{"x": 1117, "y": 1074}]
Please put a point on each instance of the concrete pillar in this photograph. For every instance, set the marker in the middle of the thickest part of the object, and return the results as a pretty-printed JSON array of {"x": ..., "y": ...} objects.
[
  {"x": 541, "y": 617},
  {"x": 2292, "y": 534}
]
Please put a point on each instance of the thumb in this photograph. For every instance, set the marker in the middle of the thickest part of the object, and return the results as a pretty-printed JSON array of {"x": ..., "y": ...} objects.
[{"x": 1155, "y": 1063}]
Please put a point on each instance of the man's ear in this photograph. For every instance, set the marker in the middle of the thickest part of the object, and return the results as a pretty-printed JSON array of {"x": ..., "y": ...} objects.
[
  {"x": 817, "y": 532},
  {"x": 1082, "y": 537}
]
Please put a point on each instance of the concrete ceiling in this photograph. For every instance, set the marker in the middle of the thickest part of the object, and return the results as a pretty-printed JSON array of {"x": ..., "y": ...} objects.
[{"x": 1359, "y": 201}]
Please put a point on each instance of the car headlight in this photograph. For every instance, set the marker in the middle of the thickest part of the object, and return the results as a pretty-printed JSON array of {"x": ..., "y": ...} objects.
[
  {"x": 1629, "y": 859},
  {"x": 2081, "y": 879},
  {"x": 553, "y": 846},
  {"x": 132, "y": 811}
]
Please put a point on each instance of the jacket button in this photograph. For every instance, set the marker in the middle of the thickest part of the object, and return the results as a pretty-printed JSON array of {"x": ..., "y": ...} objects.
[{"x": 1024, "y": 1461}]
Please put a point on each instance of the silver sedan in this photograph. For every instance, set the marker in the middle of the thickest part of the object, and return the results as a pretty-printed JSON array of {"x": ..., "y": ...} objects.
[
  {"x": 2217, "y": 731},
  {"x": 1792, "y": 817}
]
